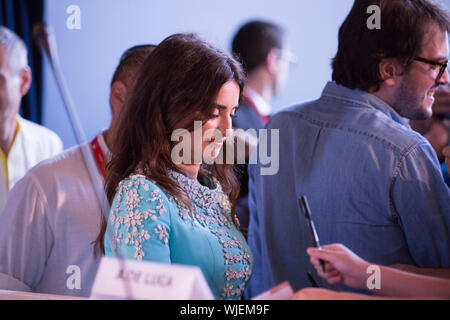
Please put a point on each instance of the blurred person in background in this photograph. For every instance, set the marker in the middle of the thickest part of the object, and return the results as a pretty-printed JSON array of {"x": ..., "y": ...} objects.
[
  {"x": 52, "y": 216},
  {"x": 437, "y": 128},
  {"x": 23, "y": 143},
  {"x": 262, "y": 48}
]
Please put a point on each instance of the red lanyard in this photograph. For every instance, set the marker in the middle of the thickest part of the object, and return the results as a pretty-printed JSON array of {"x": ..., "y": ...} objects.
[
  {"x": 252, "y": 105},
  {"x": 99, "y": 157}
]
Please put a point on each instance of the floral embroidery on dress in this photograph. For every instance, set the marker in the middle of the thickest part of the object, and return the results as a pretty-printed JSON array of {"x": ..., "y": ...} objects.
[
  {"x": 218, "y": 220},
  {"x": 116, "y": 239},
  {"x": 139, "y": 253},
  {"x": 162, "y": 233},
  {"x": 242, "y": 257},
  {"x": 224, "y": 203},
  {"x": 133, "y": 219},
  {"x": 132, "y": 199},
  {"x": 211, "y": 209}
]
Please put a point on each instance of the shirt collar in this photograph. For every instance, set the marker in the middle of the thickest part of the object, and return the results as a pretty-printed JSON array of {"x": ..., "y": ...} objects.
[
  {"x": 362, "y": 98},
  {"x": 263, "y": 107},
  {"x": 19, "y": 127},
  {"x": 202, "y": 195},
  {"x": 102, "y": 143},
  {"x": 16, "y": 133}
]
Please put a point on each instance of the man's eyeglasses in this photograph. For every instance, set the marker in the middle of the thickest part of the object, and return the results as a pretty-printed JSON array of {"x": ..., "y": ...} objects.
[
  {"x": 441, "y": 65},
  {"x": 286, "y": 55}
]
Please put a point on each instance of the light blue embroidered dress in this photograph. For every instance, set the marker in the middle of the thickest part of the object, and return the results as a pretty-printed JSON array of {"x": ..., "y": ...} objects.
[{"x": 149, "y": 224}]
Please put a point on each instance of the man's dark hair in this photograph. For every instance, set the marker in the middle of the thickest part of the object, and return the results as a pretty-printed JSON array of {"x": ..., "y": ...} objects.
[
  {"x": 253, "y": 42},
  {"x": 403, "y": 26},
  {"x": 130, "y": 59}
]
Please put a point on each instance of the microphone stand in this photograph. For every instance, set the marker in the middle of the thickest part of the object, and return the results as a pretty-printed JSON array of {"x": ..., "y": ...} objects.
[{"x": 45, "y": 39}]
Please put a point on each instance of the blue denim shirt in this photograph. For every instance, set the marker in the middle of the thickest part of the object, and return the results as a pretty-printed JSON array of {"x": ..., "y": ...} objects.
[{"x": 372, "y": 184}]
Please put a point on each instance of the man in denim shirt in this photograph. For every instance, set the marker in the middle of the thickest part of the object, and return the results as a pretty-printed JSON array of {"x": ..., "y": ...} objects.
[{"x": 372, "y": 183}]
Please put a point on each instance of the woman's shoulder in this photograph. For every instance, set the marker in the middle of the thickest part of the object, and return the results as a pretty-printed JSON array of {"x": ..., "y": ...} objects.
[
  {"x": 142, "y": 184},
  {"x": 140, "y": 217},
  {"x": 138, "y": 192}
]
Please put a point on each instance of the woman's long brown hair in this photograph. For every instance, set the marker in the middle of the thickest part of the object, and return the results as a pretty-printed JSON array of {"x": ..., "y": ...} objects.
[{"x": 178, "y": 83}]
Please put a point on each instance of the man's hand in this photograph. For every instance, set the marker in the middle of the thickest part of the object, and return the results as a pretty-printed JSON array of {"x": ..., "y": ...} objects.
[
  {"x": 325, "y": 294},
  {"x": 341, "y": 265},
  {"x": 433, "y": 272}
]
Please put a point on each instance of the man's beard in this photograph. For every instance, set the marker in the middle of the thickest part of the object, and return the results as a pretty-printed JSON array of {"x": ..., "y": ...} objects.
[{"x": 409, "y": 104}]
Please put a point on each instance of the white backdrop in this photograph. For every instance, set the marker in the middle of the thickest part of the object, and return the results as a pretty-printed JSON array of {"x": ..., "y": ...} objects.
[{"x": 89, "y": 55}]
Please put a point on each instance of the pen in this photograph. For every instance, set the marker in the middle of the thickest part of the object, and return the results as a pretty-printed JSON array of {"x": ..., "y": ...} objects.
[
  {"x": 311, "y": 280},
  {"x": 303, "y": 202}
]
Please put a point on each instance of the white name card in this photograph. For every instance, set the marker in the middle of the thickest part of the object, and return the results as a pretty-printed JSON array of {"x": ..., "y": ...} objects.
[
  {"x": 142, "y": 280},
  {"x": 281, "y": 292}
]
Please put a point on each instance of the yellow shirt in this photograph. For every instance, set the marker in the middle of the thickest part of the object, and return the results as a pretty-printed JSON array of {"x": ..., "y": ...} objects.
[{"x": 32, "y": 144}]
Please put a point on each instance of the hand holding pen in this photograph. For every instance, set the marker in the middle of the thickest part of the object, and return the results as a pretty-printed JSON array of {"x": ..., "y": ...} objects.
[{"x": 303, "y": 202}]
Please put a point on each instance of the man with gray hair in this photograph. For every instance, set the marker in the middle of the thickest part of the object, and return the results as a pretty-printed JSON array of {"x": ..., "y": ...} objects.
[
  {"x": 53, "y": 217},
  {"x": 22, "y": 143}
]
